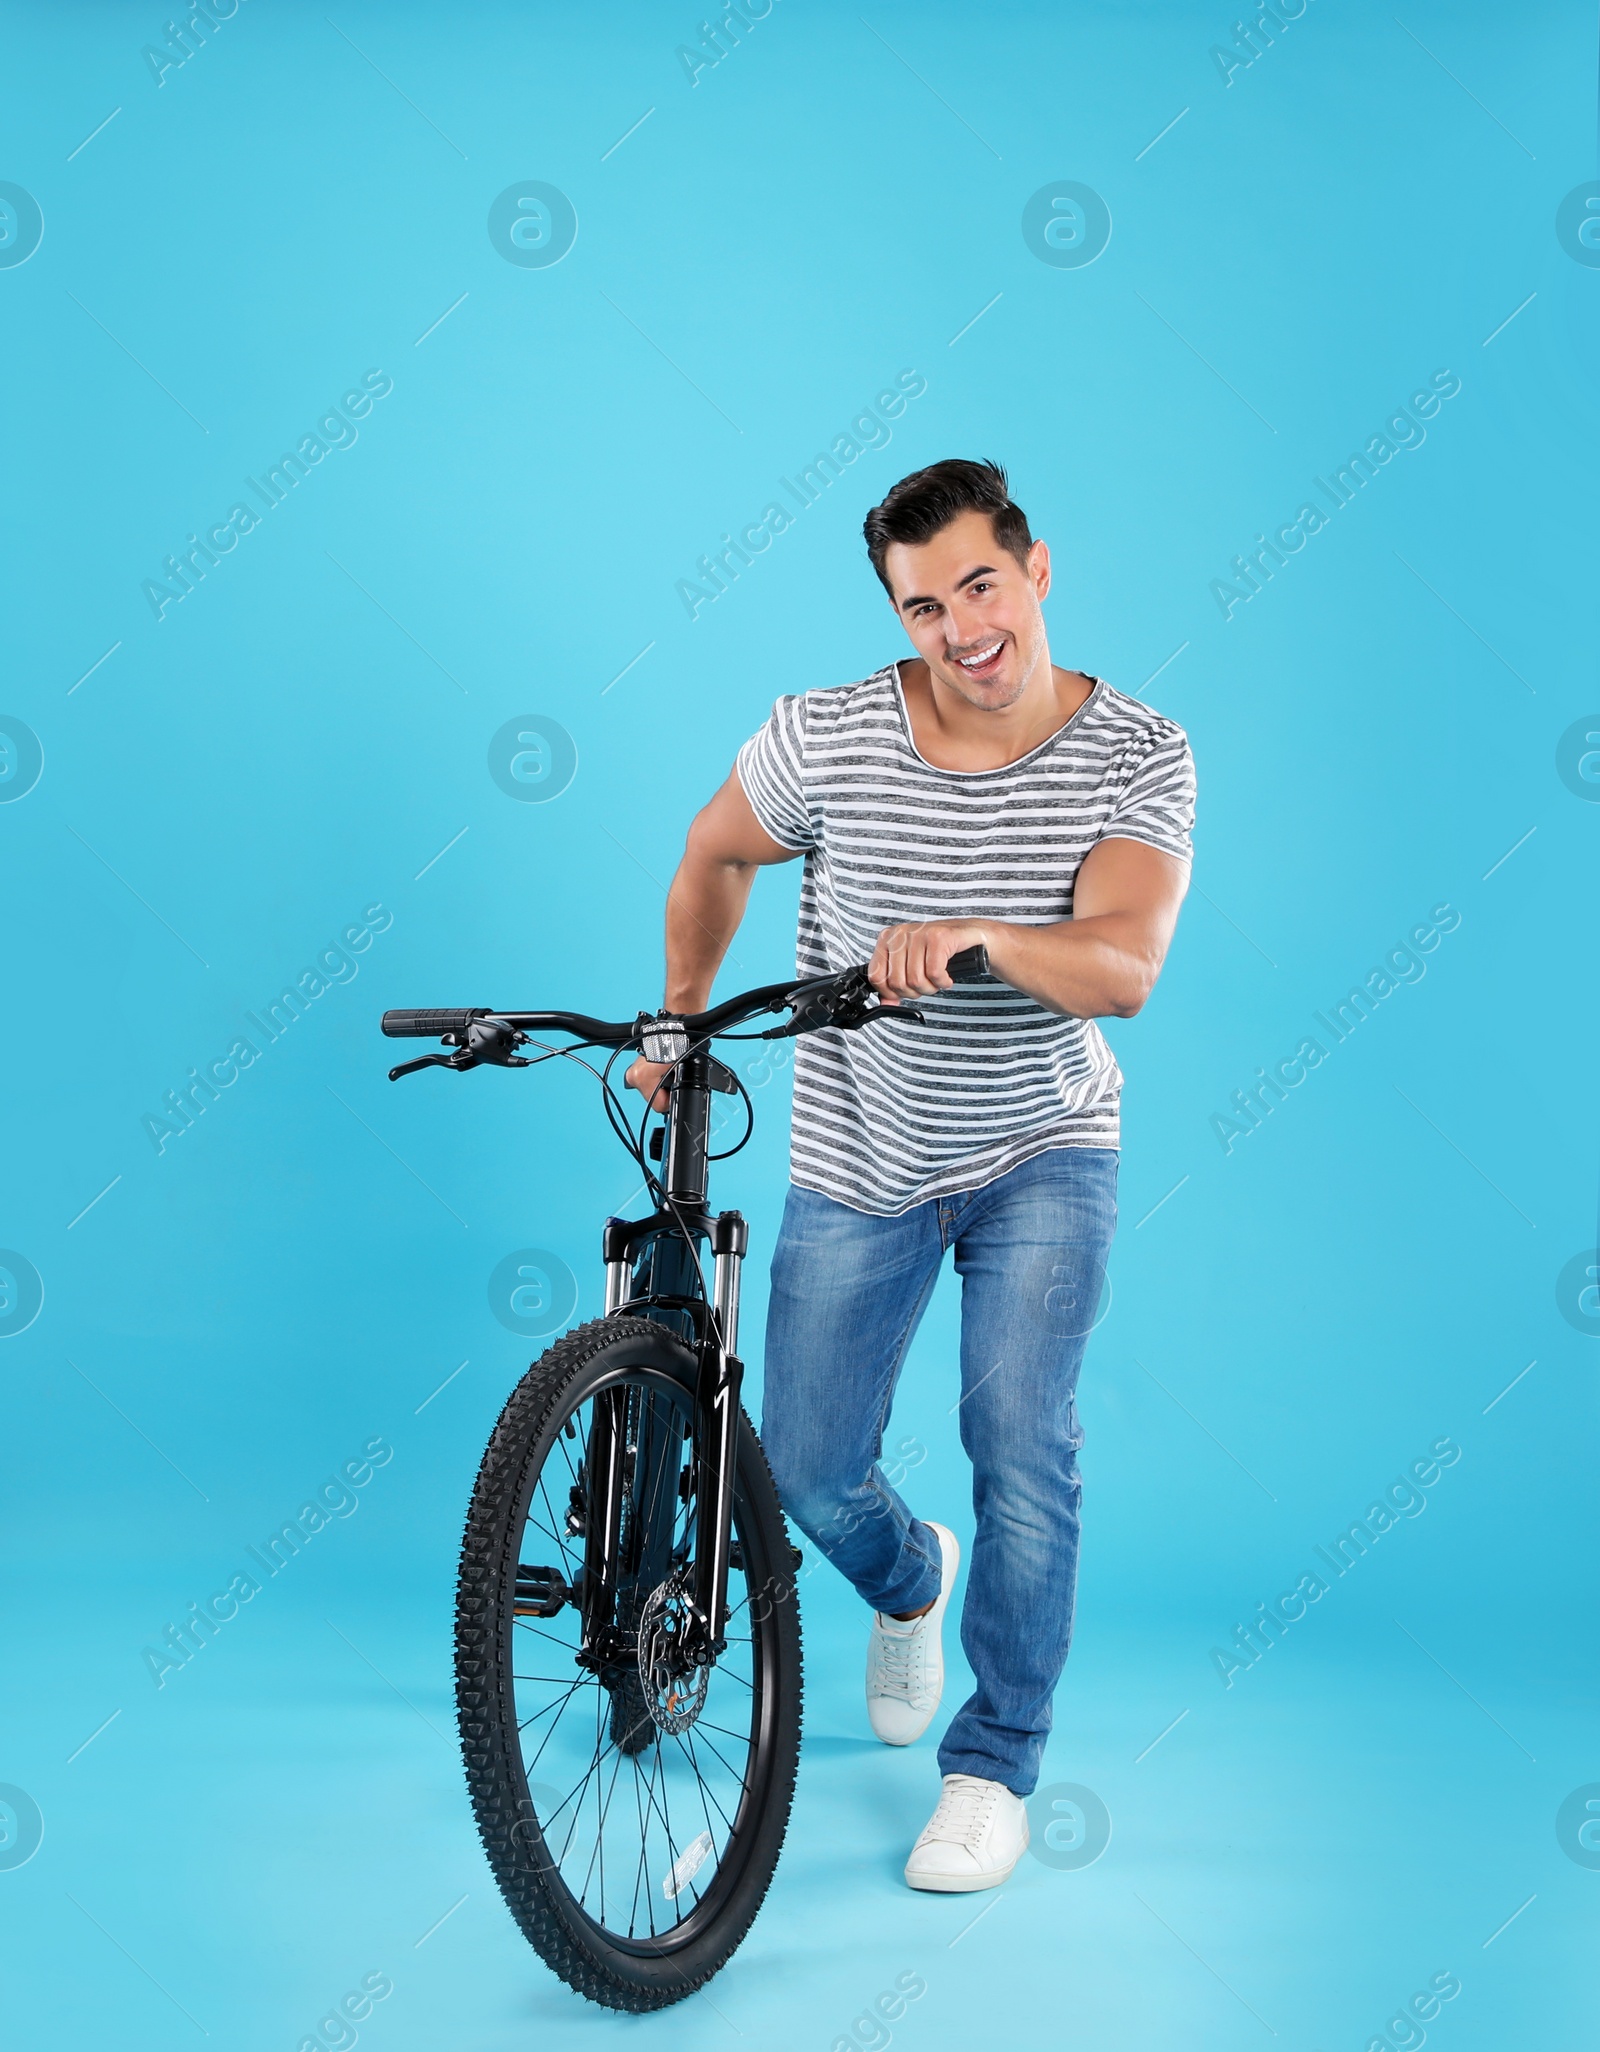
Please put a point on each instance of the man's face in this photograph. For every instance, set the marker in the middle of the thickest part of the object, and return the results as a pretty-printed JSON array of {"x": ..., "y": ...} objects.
[{"x": 972, "y": 610}]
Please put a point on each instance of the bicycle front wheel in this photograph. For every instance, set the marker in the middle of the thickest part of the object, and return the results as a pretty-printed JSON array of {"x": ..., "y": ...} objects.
[{"x": 632, "y": 1814}]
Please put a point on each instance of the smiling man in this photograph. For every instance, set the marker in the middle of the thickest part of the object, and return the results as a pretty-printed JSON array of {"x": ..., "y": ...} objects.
[{"x": 971, "y": 794}]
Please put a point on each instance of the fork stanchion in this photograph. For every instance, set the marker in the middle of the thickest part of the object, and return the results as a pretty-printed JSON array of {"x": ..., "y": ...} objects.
[
  {"x": 616, "y": 1251},
  {"x": 730, "y": 1241}
]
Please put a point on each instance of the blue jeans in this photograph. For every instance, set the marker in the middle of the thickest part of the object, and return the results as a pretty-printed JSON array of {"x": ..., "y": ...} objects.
[{"x": 848, "y": 1290}]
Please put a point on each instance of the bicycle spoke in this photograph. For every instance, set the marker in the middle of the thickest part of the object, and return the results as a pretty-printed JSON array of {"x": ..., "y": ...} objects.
[
  {"x": 653, "y": 1807},
  {"x": 735, "y": 1608},
  {"x": 577, "y": 1795},
  {"x": 704, "y": 1722},
  {"x": 558, "y": 1536},
  {"x": 600, "y": 1841},
  {"x": 534, "y": 1524},
  {"x": 739, "y": 1778},
  {"x": 561, "y": 1448},
  {"x": 558, "y": 1706},
  {"x": 529, "y": 1765},
  {"x": 604, "y": 1748},
  {"x": 524, "y": 1625},
  {"x": 640, "y": 1875},
  {"x": 660, "y": 1807},
  {"x": 599, "y": 1828},
  {"x": 701, "y": 1783},
  {"x": 600, "y": 1835},
  {"x": 693, "y": 1882}
]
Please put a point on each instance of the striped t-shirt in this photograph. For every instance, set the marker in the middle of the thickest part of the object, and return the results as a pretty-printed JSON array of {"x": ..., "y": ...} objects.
[{"x": 889, "y": 1116}]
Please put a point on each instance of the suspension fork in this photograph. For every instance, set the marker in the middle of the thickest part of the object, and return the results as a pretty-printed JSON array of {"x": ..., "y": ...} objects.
[
  {"x": 602, "y": 1544},
  {"x": 717, "y": 1433},
  {"x": 718, "y": 1386},
  {"x": 628, "y": 1544},
  {"x": 651, "y": 1252}
]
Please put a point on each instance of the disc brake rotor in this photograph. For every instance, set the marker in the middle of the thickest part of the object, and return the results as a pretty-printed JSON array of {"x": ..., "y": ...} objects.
[{"x": 674, "y": 1690}]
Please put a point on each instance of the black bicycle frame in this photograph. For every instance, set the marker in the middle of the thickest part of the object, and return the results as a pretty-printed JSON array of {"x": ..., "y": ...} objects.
[{"x": 651, "y": 1271}]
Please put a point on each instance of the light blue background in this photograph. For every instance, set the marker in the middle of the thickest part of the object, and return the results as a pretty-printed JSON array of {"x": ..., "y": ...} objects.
[{"x": 300, "y": 737}]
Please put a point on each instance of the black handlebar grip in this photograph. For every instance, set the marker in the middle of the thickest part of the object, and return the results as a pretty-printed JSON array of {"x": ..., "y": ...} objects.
[
  {"x": 429, "y": 1025},
  {"x": 970, "y": 965}
]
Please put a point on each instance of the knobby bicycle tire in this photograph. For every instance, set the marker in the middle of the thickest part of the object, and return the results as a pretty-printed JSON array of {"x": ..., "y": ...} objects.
[{"x": 620, "y": 1971}]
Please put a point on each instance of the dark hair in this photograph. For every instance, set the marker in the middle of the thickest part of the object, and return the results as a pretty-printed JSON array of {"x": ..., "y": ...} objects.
[{"x": 919, "y": 506}]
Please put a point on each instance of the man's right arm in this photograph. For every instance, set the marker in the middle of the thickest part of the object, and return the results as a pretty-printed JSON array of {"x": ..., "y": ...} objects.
[{"x": 726, "y": 846}]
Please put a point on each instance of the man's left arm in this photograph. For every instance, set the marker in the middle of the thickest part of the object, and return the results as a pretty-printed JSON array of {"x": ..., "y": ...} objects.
[{"x": 1102, "y": 962}]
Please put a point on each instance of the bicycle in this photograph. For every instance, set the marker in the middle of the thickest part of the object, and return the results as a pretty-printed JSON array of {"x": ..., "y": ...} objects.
[{"x": 625, "y": 1537}]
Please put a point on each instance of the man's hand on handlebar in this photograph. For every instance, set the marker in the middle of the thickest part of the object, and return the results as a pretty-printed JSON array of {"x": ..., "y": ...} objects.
[{"x": 910, "y": 961}]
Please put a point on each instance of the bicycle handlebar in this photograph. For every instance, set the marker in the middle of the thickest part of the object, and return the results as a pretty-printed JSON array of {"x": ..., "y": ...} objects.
[{"x": 816, "y": 1001}]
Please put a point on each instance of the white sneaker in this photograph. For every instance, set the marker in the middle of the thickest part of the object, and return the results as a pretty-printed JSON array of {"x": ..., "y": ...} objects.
[
  {"x": 905, "y": 1661},
  {"x": 974, "y": 1838}
]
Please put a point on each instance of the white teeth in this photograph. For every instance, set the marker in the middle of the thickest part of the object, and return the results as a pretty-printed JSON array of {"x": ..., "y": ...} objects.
[{"x": 977, "y": 662}]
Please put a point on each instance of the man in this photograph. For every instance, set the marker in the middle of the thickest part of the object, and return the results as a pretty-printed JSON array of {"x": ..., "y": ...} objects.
[{"x": 972, "y": 794}]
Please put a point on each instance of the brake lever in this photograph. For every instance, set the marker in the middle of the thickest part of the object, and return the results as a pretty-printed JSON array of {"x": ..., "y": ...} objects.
[
  {"x": 463, "y": 1060},
  {"x": 826, "y": 1003},
  {"x": 912, "y": 1012},
  {"x": 488, "y": 1040},
  {"x": 854, "y": 1011}
]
